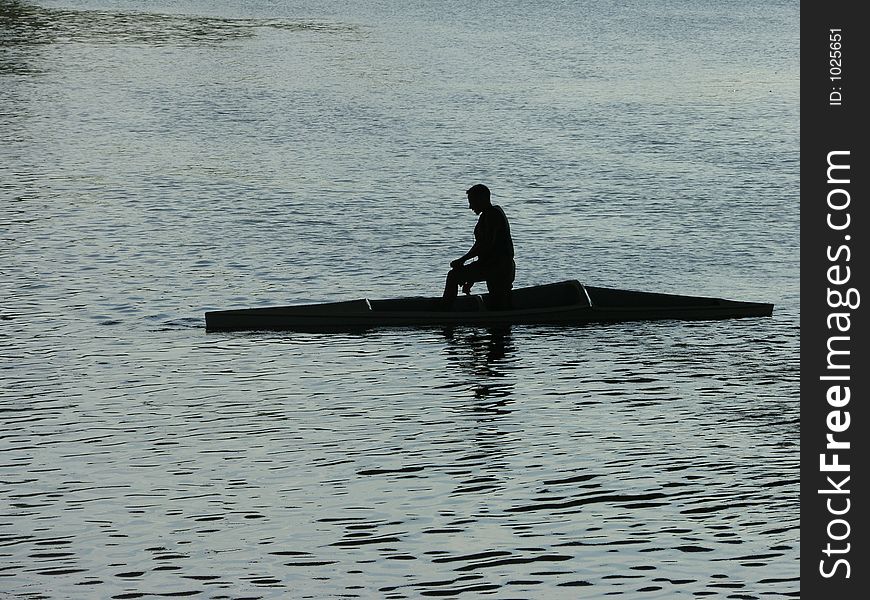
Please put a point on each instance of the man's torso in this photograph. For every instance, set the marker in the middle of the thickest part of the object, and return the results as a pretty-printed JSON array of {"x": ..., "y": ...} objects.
[{"x": 493, "y": 224}]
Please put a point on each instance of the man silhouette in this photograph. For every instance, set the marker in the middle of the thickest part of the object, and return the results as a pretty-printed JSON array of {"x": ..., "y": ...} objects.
[{"x": 494, "y": 250}]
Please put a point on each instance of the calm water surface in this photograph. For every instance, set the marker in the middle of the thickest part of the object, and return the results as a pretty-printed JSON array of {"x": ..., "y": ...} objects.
[{"x": 161, "y": 159}]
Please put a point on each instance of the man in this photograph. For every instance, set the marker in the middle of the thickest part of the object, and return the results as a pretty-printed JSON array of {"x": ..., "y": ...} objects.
[{"x": 494, "y": 250}]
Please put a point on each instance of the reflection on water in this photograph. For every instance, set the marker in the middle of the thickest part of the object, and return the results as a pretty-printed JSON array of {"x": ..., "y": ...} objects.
[{"x": 483, "y": 356}]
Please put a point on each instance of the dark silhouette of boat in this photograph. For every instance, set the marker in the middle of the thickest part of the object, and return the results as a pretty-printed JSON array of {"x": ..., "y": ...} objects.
[{"x": 563, "y": 303}]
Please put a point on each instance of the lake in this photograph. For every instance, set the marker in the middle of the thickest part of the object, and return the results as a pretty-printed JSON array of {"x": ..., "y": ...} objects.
[{"x": 161, "y": 159}]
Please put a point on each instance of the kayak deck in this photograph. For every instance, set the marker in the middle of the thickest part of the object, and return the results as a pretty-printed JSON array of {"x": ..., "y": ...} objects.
[{"x": 563, "y": 303}]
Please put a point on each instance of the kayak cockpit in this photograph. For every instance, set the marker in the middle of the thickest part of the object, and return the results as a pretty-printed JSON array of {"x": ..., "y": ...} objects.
[
  {"x": 563, "y": 303},
  {"x": 564, "y": 293}
]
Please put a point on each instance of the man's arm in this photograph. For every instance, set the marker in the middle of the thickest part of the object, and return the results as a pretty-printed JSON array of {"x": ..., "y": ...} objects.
[
  {"x": 484, "y": 245},
  {"x": 475, "y": 251}
]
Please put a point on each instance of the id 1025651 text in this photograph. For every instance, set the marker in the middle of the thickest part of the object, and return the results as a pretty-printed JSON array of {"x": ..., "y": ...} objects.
[{"x": 835, "y": 66}]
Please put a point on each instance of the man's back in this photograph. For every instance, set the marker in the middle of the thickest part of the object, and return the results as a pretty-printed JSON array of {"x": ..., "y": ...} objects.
[{"x": 494, "y": 233}]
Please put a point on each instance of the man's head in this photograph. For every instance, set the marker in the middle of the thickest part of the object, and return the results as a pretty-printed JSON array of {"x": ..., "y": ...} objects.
[{"x": 478, "y": 198}]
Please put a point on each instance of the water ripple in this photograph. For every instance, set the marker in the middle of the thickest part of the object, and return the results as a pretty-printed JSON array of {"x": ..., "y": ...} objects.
[{"x": 184, "y": 157}]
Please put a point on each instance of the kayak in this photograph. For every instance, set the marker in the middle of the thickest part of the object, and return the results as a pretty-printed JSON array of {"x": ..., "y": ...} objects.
[{"x": 562, "y": 303}]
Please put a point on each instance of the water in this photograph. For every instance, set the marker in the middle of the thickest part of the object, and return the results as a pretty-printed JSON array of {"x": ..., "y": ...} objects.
[{"x": 161, "y": 159}]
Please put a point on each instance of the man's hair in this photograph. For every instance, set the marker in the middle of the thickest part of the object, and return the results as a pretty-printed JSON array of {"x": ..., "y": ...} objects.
[{"x": 478, "y": 191}]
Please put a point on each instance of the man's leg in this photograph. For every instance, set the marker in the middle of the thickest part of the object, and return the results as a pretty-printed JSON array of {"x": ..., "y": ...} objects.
[
  {"x": 499, "y": 295},
  {"x": 457, "y": 277},
  {"x": 454, "y": 280},
  {"x": 499, "y": 285}
]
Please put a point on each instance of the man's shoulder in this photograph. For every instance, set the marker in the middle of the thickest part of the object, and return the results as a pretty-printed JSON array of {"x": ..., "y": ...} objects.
[{"x": 499, "y": 211}]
